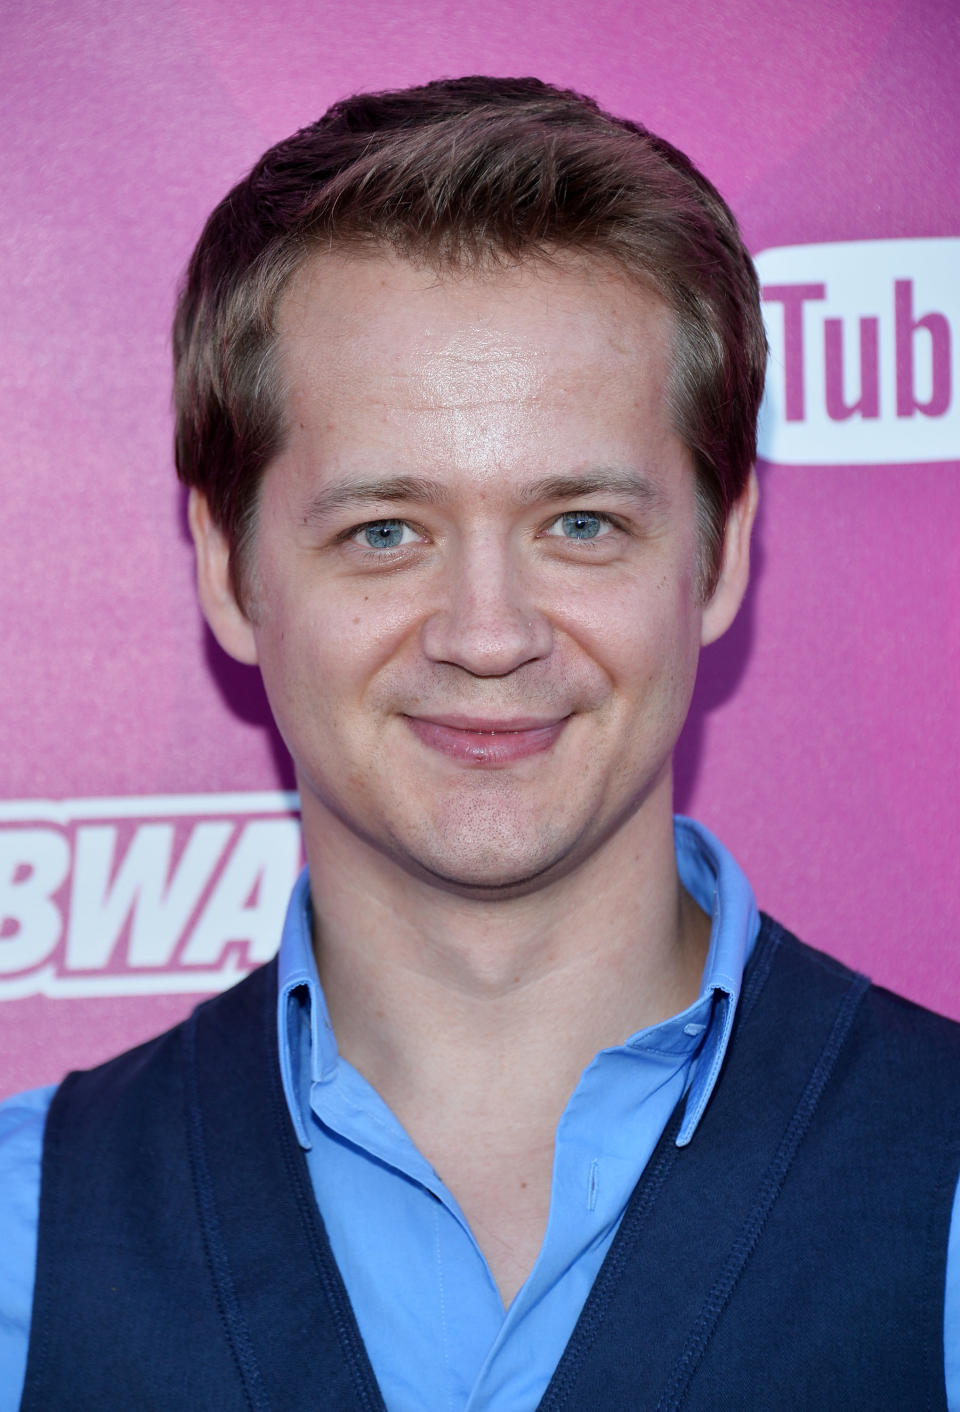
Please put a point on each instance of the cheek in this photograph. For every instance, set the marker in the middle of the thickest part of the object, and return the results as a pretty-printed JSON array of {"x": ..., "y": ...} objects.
[
  {"x": 319, "y": 653},
  {"x": 639, "y": 631}
]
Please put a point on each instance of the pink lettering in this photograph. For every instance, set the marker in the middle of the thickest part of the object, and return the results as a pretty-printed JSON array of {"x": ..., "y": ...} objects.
[
  {"x": 793, "y": 297},
  {"x": 868, "y": 403},
  {"x": 907, "y": 327}
]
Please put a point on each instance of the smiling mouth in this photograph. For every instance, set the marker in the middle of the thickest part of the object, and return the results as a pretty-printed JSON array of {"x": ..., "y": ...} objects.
[{"x": 476, "y": 741}]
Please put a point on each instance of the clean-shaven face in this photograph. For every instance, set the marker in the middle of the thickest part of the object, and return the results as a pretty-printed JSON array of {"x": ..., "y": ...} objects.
[{"x": 474, "y": 588}]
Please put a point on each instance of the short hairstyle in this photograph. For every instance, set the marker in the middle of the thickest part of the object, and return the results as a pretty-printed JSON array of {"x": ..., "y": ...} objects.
[{"x": 463, "y": 173}]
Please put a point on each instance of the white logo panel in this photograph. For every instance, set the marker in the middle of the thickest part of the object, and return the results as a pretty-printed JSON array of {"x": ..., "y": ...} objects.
[
  {"x": 864, "y": 345},
  {"x": 143, "y": 895}
]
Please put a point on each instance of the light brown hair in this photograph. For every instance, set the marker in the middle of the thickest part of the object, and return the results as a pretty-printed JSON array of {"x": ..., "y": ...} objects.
[{"x": 460, "y": 173}]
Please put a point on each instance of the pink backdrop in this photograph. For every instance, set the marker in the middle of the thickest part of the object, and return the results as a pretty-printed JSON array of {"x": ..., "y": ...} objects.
[{"x": 822, "y": 746}]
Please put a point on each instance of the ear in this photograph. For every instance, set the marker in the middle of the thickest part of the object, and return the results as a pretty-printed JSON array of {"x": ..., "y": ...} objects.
[
  {"x": 227, "y": 620},
  {"x": 722, "y": 605}
]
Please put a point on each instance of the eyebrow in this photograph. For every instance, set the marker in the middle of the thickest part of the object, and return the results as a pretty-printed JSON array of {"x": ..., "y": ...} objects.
[
  {"x": 625, "y": 484},
  {"x": 630, "y": 485},
  {"x": 374, "y": 492}
]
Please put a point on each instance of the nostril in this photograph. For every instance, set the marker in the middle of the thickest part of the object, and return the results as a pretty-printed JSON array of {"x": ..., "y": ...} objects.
[{"x": 486, "y": 644}]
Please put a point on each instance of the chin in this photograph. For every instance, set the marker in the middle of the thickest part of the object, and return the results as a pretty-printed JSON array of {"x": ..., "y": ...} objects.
[
  {"x": 490, "y": 884},
  {"x": 497, "y": 862}
]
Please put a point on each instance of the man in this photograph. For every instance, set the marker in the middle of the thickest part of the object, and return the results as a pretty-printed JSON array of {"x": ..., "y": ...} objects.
[{"x": 534, "y": 1110}]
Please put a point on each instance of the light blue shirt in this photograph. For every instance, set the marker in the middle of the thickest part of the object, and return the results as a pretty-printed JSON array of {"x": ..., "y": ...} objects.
[{"x": 426, "y": 1303}]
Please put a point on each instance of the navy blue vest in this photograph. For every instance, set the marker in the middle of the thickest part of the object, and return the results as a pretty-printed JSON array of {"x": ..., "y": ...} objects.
[{"x": 791, "y": 1257}]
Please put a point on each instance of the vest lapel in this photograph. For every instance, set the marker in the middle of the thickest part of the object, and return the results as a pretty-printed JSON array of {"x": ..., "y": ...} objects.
[
  {"x": 692, "y": 1222},
  {"x": 283, "y": 1302}
]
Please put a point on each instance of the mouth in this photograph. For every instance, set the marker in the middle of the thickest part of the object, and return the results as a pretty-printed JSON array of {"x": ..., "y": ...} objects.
[{"x": 481, "y": 741}]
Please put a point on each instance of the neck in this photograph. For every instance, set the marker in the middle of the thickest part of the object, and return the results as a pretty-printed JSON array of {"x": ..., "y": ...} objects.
[{"x": 435, "y": 994}]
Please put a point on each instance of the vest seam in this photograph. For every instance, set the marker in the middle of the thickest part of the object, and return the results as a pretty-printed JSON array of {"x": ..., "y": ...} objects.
[
  {"x": 771, "y": 1185},
  {"x": 218, "y": 1261},
  {"x": 757, "y": 974},
  {"x": 311, "y": 1220},
  {"x": 645, "y": 1193},
  {"x": 588, "y": 1326}
]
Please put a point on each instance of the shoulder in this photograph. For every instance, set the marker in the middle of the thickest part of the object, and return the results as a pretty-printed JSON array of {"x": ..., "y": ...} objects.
[
  {"x": 114, "y": 1123},
  {"x": 156, "y": 1067},
  {"x": 824, "y": 972},
  {"x": 22, "y": 1122},
  {"x": 907, "y": 1047}
]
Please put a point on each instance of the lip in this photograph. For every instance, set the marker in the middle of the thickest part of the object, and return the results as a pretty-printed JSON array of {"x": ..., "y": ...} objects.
[{"x": 478, "y": 740}]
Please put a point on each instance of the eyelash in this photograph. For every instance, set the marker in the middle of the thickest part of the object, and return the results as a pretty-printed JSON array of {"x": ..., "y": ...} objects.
[
  {"x": 395, "y": 555},
  {"x": 353, "y": 534},
  {"x": 607, "y": 522}
]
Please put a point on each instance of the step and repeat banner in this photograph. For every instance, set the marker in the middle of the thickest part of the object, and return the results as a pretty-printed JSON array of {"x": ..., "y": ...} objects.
[{"x": 148, "y": 825}]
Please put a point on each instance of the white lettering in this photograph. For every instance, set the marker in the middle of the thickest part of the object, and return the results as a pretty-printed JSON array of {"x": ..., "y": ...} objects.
[
  {"x": 99, "y": 909},
  {"x": 146, "y": 870},
  {"x": 33, "y": 865},
  {"x": 864, "y": 345},
  {"x": 264, "y": 862}
]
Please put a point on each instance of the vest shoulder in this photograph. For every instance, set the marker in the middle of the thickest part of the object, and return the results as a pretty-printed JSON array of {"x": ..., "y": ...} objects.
[
  {"x": 819, "y": 976},
  {"x": 152, "y": 1064}
]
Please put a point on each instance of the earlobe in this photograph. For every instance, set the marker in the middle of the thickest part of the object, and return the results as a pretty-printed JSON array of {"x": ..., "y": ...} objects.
[
  {"x": 225, "y": 617},
  {"x": 723, "y": 604}
]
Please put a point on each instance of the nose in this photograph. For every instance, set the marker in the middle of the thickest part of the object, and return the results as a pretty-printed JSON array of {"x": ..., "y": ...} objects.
[{"x": 487, "y": 622}]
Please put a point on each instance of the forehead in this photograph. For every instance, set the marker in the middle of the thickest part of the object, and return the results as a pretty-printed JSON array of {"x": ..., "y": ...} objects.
[{"x": 474, "y": 370}]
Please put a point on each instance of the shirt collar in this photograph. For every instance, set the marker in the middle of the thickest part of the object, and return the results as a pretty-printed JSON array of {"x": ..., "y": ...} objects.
[
  {"x": 308, "y": 1049},
  {"x": 304, "y": 1031},
  {"x": 718, "y": 885}
]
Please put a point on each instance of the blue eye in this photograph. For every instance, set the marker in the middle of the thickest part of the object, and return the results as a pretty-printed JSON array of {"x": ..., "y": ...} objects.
[
  {"x": 580, "y": 524},
  {"x": 384, "y": 534}
]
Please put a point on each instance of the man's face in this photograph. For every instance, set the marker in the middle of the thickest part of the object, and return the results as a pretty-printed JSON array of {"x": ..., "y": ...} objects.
[{"x": 474, "y": 589}]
